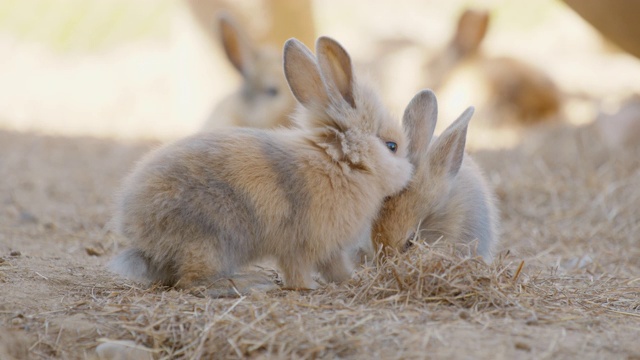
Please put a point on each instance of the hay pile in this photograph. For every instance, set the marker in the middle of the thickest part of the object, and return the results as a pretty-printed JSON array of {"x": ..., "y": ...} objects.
[
  {"x": 409, "y": 290},
  {"x": 386, "y": 311}
]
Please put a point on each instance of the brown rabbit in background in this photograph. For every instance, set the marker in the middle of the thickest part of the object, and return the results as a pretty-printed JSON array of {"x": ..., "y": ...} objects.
[
  {"x": 448, "y": 196},
  {"x": 263, "y": 100},
  {"x": 201, "y": 208},
  {"x": 512, "y": 93}
]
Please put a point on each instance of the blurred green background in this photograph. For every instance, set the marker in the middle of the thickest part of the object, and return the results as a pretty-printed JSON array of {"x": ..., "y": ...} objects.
[
  {"x": 154, "y": 68},
  {"x": 81, "y": 25}
]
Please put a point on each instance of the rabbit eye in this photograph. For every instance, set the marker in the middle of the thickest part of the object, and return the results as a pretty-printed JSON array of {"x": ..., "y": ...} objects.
[
  {"x": 272, "y": 91},
  {"x": 392, "y": 146}
]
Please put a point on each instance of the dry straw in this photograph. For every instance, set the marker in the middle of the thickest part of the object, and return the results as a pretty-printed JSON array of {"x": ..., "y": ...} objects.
[
  {"x": 566, "y": 283},
  {"x": 378, "y": 313}
]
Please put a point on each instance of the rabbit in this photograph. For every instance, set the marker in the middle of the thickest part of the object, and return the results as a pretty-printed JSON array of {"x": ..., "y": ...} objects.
[
  {"x": 448, "y": 195},
  {"x": 199, "y": 209},
  {"x": 263, "y": 100},
  {"x": 514, "y": 94}
]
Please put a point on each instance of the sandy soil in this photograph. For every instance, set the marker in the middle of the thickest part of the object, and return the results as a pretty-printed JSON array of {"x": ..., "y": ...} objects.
[{"x": 569, "y": 208}]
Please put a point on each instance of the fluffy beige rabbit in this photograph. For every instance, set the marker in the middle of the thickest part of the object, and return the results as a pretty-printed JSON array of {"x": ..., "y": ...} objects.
[
  {"x": 200, "y": 209},
  {"x": 263, "y": 100},
  {"x": 511, "y": 94},
  {"x": 448, "y": 197}
]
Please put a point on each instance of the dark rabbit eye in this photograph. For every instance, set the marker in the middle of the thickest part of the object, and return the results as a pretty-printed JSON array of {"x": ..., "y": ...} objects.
[
  {"x": 272, "y": 91},
  {"x": 392, "y": 146}
]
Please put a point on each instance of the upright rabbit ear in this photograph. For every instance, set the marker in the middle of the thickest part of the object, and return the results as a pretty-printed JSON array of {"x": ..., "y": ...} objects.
[
  {"x": 472, "y": 28},
  {"x": 236, "y": 45},
  {"x": 335, "y": 65},
  {"x": 419, "y": 122},
  {"x": 303, "y": 75},
  {"x": 447, "y": 151}
]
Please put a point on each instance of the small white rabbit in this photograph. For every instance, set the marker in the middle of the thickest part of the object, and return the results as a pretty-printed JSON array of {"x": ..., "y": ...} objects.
[
  {"x": 448, "y": 197},
  {"x": 200, "y": 209},
  {"x": 263, "y": 100}
]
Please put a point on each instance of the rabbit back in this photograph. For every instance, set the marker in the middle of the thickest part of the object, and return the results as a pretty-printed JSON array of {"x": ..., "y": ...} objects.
[
  {"x": 217, "y": 192},
  {"x": 205, "y": 206}
]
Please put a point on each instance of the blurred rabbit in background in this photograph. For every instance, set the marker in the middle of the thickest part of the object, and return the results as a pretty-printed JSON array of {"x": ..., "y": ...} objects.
[
  {"x": 510, "y": 94},
  {"x": 263, "y": 99}
]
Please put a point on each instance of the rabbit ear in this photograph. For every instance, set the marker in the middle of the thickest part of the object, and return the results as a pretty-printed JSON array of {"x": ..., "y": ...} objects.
[
  {"x": 303, "y": 74},
  {"x": 472, "y": 28},
  {"x": 236, "y": 45},
  {"x": 419, "y": 122},
  {"x": 447, "y": 151},
  {"x": 335, "y": 65}
]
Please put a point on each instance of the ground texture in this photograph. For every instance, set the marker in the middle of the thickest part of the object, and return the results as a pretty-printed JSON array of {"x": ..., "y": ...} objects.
[{"x": 565, "y": 285}]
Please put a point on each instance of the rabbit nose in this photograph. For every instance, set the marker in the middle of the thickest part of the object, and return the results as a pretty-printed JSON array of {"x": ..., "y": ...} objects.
[
  {"x": 407, "y": 245},
  {"x": 409, "y": 241}
]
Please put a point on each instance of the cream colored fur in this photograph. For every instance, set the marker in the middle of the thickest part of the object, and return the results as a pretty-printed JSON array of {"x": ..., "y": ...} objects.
[
  {"x": 198, "y": 210},
  {"x": 263, "y": 99},
  {"x": 448, "y": 197}
]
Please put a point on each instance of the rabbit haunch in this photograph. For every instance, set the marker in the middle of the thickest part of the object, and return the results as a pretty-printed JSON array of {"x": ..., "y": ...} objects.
[{"x": 203, "y": 207}]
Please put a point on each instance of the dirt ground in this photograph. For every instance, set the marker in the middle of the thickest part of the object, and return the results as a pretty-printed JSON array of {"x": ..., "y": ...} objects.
[
  {"x": 570, "y": 215},
  {"x": 566, "y": 282}
]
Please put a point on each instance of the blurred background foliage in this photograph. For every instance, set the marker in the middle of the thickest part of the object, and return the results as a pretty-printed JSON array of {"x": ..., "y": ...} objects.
[
  {"x": 155, "y": 68},
  {"x": 80, "y": 25}
]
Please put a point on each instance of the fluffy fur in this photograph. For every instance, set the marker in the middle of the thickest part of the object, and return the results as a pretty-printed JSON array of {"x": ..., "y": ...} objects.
[
  {"x": 199, "y": 209},
  {"x": 448, "y": 197},
  {"x": 263, "y": 100}
]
